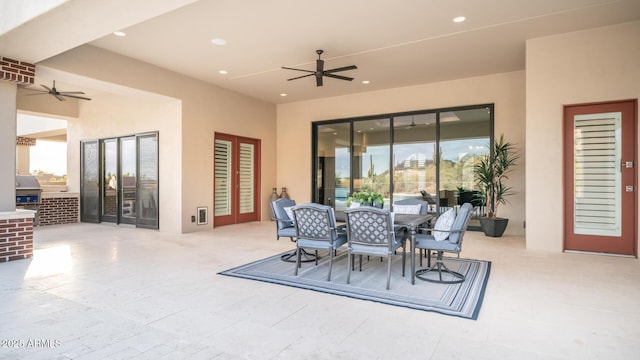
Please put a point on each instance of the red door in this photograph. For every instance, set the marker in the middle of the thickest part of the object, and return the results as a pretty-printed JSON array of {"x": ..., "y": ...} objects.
[
  {"x": 600, "y": 201},
  {"x": 236, "y": 179}
]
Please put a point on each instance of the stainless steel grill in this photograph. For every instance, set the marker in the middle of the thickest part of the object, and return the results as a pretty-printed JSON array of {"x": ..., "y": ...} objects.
[{"x": 28, "y": 194}]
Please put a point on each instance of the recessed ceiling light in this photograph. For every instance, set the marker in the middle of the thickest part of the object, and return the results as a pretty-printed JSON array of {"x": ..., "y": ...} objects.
[
  {"x": 283, "y": 94},
  {"x": 119, "y": 33},
  {"x": 223, "y": 72},
  {"x": 365, "y": 81},
  {"x": 218, "y": 41},
  {"x": 459, "y": 19}
]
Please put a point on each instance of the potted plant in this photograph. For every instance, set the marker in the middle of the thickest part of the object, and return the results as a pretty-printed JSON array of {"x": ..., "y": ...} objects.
[
  {"x": 491, "y": 175},
  {"x": 367, "y": 197}
]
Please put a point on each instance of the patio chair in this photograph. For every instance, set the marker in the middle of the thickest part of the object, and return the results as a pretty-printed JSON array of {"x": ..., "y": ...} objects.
[
  {"x": 316, "y": 229},
  {"x": 406, "y": 206},
  {"x": 284, "y": 226},
  {"x": 370, "y": 231},
  {"x": 444, "y": 240}
]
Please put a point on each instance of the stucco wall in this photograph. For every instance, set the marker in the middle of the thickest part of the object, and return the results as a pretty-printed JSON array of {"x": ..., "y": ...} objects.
[
  {"x": 580, "y": 67},
  {"x": 186, "y": 154},
  {"x": 114, "y": 115},
  {"x": 505, "y": 90}
]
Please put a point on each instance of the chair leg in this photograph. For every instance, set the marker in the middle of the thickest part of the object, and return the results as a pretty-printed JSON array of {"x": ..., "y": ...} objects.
[
  {"x": 388, "y": 271},
  {"x": 298, "y": 264},
  {"x": 316, "y": 253},
  {"x": 350, "y": 266},
  {"x": 360, "y": 262},
  {"x": 330, "y": 264},
  {"x": 404, "y": 259}
]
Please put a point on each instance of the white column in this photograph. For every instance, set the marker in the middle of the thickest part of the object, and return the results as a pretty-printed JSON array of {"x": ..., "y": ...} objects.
[
  {"x": 8, "y": 94},
  {"x": 22, "y": 159}
]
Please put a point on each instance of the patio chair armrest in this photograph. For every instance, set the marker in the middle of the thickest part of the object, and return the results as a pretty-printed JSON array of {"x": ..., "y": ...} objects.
[
  {"x": 399, "y": 228},
  {"x": 431, "y": 228}
]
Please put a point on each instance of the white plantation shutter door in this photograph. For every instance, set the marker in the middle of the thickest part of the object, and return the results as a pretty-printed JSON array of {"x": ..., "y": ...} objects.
[
  {"x": 246, "y": 178},
  {"x": 597, "y": 174},
  {"x": 223, "y": 177}
]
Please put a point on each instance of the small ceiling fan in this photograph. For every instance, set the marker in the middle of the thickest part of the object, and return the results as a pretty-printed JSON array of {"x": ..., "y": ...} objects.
[
  {"x": 320, "y": 72},
  {"x": 60, "y": 95}
]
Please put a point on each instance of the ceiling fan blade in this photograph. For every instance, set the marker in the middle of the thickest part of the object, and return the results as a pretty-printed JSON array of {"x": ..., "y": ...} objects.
[
  {"x": 351, "y": 67},
  {"x": 75, "y": 97},
  {"x": 38, "y": 93},
  {"x": 46, "y": 87},
  {"x": 318, "y": 80},
  {"x": 300, "y": 77},
  {"x": 57, "y": 96},
  {"x": 338, "y": 76},
  {"x": 288, "y": 68},
  {"x": 69, "y": 92}
]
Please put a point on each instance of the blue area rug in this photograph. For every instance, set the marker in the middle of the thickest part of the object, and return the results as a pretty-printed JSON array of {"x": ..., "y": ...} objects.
[{"x": 463, "y": 300}]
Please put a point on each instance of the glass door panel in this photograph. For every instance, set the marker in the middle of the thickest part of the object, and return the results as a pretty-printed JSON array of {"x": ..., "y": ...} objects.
[
  {"x": 223, "y": 180},
  {"x": 128, "y": 181},
  {"x": 333, "y": 166},
  {"x": 90, "y": 185},
  {"x": 246, "y": 176},
  {"x": 464, "y": 137},
  {"x": 110, "y": 180},
  {"x": 147, "y": 187},
  {"x": 597, "y": 174},
  {"x": 414, "y": 158},
  {"x": 371, "y": 157}
]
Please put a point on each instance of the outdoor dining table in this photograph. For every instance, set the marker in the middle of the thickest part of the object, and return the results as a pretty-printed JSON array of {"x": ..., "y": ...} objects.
[{"x": 412, "y": 222}]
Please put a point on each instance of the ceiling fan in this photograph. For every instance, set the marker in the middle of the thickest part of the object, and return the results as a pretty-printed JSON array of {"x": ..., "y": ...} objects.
[
  {"x": 320, "y": 72},
  {"x": 60, "y": 95}
]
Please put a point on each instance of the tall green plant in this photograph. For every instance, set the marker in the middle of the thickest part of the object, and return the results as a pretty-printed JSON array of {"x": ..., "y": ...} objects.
[{"x": 491, "y": 174}]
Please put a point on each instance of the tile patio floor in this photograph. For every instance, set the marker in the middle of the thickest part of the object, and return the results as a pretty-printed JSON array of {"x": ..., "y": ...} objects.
[{"x": 108, "y": 292}]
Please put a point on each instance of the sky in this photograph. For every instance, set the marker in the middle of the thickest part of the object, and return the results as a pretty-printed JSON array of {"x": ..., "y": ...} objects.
[{"x": 49, "y": 156}]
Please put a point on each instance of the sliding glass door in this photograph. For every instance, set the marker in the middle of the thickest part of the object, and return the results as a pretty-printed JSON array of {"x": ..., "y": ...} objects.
[
  {"x": 464, "y": 137},
  {"x": 426, "y": 155},
  {"x": 371, "y": 157},
  {"x": 147, "y": 184},
  {"x": 110, "y": 202},
  {"x": 120, "y": 180},
  {"x": 333, "y": 165},
  {"x": 414, "y": 157}
]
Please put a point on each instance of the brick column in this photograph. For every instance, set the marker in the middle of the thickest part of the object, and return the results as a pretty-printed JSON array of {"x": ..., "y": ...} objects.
[
  {"x": 16, "y": 226},
  {"x": 16, "y": 235}
]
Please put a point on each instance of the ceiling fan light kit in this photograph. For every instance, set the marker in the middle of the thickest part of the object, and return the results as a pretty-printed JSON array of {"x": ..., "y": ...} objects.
[
  {"x": 319, "y": 73},
  {"x": 60, "y": 95}
]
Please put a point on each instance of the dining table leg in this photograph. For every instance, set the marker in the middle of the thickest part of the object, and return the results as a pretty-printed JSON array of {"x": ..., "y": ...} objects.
[{"x": 412, "y": 231}]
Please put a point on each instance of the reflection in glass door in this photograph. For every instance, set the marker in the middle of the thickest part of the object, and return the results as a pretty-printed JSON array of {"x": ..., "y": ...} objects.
[
  {"x": 464, "y": 137},
  {"x": 434, "y": 152},
  {"x": 110, "y": 180},
  {"x": 90, "y": 183},
  {"x": 333, "y": 166},
  {"x": 128, "y": 183},
  {"x": 371, "y": 157},
  {"x": 414, "y": 158},
  {"x": 147, "y": 189}
]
